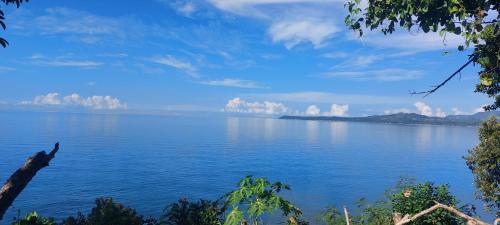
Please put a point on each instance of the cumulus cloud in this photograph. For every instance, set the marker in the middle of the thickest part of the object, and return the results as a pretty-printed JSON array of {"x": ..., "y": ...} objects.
[
  {"x": 91, "y": 102},
  {"x": 233, "y": 83},
  {"x": 423, "y": 108},
  {"x": 456, "y": 111},
  {"x": 313, "y": 110},
  {"x": 479, "y": 109},
  {"x": 338, "y": 110},
  {"x": 267, "y": 107},
  {"x": 440, "y": 113}
]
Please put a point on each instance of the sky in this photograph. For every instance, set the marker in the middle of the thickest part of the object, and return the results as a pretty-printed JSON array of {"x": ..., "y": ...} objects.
[{"x": 249, "y": 57}]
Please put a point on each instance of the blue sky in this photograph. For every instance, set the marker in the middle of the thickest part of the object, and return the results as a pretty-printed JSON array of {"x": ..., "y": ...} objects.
[{"x": 240, "y": 56}]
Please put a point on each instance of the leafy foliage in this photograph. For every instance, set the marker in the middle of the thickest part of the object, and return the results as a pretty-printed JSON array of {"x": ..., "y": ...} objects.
[
  {"x": 484, "y": 161},
  {"x": 202, "y": 212},
  {"x": 254, "y": 198},
  {"x": 4, "y": 42},
  {"x": 108, "y": 212},
  {"x": 473, "y": 19},
  {"x": 34, "y": 219},
  {"x": 417, "y": 197},
  {"x": 406, "y": 198}
]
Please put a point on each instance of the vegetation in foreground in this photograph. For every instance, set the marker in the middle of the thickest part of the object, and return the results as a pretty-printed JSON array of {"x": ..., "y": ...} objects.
[{"x": 256, "y": 199}]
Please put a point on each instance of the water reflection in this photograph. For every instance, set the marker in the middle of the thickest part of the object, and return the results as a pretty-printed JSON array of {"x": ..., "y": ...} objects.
[
  {"x": 233, "y": 128},
  {"x": 423, "y": 138},
  {"x": 312, "y": 131},
  {"x": 338, "y": 132},
  {"x": 269, "y": 124}
]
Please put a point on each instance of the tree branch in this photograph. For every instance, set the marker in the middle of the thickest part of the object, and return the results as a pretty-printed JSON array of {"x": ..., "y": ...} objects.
[
  {"x": 20, "y": 179},
  {"x": 472, "y": 58}
]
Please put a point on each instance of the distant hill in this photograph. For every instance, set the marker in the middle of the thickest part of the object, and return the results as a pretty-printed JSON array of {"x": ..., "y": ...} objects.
[{"x": 407, "y": 118}]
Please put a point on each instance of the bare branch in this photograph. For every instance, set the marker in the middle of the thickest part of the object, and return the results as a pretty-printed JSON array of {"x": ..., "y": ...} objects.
[{"x": 472, "y": 58}]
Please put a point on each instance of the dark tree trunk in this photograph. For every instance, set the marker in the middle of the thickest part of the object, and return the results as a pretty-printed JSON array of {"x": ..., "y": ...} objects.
[{"x": 20, "y": 179}]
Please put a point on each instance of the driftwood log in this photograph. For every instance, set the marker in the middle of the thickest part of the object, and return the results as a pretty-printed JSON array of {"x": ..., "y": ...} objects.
[{"x": 20, "y": 179}]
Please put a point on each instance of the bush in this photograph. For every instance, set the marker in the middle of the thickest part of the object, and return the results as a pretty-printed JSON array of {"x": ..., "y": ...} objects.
[
  {"x": 108, "y": 212},
  {"x": 202, "y": 212},
  {"x": 406, "y": 198},
  {"x": 34, "y": 219}
]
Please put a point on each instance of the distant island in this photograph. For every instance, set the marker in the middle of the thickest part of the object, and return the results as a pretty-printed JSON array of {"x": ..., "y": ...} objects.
[{"x": 407, "y": 118}]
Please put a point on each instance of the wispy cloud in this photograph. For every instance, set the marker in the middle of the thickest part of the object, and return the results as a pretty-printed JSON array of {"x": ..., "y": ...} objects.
[
  {"x": 294, "y": 32},
  {"x": 173, "y": 62},
  {"x": 335, "y": 55},
  {"x": 233, "y": 83},
  {"x": 93, "y": 102},
  {"x": 291, "y": 22},
  {"x": 328, "y": 97},
  {"x": 63, "y": 61},
  {"x": 81, "y": 26},
  {"x": 6, "y": 69},
  {"x": 389, "y": 74}
]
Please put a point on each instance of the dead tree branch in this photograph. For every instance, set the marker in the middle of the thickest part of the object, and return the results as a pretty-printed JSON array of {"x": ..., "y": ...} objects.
[
  {"x": 20, "y": 179},
  {"x": 407, "y": 219},
  {"x": 472, "y": 58}
]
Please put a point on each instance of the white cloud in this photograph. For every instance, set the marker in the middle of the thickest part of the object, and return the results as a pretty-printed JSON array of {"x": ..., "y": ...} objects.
[
  {"x": 338, "y": 110},
  {"x": 479, "y": 109},
  {"x": 313, "y": 110},
  {"x": 68, "y": 63},
  {"x": 362, "y": 61},
  {"x": 233, "y": 83},
  {"x": 171, "y": 61},
  {"x": 389, "y": 74},
  {"x": 395, "y": 111},
  {"x": 92, "y": 102},
  {"x": 292, "y": 33},
  {"x": 267, "y": 107},
  {"x": 423, "y": 108},
  {"x": 186, "y": 8},
  {"x": 456, "y": 111},
  {"x": 5, "y": 69},
  {"x": 81, "y": 26},
  {"x": 291, "y": 22},
  {"x": 440, "y": 113},
  {"x": 335, "y": 55}
]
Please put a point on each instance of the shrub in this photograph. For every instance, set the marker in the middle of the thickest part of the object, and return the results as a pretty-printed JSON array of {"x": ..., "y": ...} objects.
[
  {"x": 108, "y": 212},
  {"x": 34, "y": 219},
  {"x": 202, "y": 212},
  {"x": 254, "y": 198}
]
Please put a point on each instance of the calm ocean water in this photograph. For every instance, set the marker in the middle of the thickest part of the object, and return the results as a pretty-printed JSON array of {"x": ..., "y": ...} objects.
[{"x": 147, "y": 162}]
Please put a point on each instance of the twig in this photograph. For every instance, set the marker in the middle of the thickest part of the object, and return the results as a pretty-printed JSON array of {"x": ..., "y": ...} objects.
[{"x": 472, "y": 58}]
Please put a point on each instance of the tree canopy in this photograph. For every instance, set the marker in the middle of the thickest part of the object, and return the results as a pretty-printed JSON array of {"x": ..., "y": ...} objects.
[
  {"x": 476, "y": 20},
  {"x": 4, "y": 42},
  {"x": 484, "y": 161}
]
